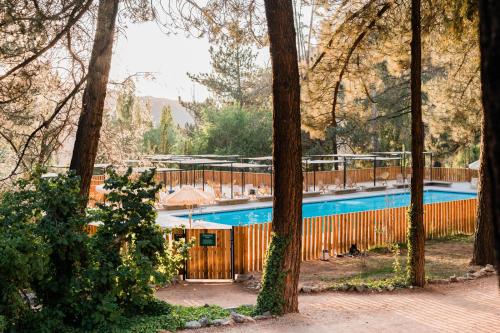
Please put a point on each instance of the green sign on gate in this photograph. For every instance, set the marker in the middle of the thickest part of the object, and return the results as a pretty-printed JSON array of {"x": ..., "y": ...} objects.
[{"x": 207, "y": 239}]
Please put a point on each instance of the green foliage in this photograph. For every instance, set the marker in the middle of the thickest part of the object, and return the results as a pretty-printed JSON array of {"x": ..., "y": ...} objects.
[
  {"x": 79, "y": 282},
  {"x": 273, "y": 280},
  {"x": 233, "y": 63},
  {"x": 232, "y": 130}
]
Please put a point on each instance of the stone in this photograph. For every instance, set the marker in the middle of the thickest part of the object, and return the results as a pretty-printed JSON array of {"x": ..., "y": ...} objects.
[
  {"x": 343, "y": 287},
  {"x": 489, "y": 268},
  {"x": 239, "y": 318},
  {"x": 263, "y": 316},
  {"x": 390, "y": 287},
  {"x": 243, "y": 277},
  {"x": 361, "y": 288},
  {"x": 193, "y": 324},
  {"x": 204, "y": 322},
  {"x": 221, "y": 322},
  {"x": 310, "y": 289},
  {"x": 479, "y": 273},
  {"x": 453, "y": 278}
]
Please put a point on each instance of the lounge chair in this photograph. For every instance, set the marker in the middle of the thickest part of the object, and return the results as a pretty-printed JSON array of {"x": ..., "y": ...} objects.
[
  {"x": 234, "y": 201},
  {"x": 474, "y": 183},
  {"x": 322, "y": 187}
]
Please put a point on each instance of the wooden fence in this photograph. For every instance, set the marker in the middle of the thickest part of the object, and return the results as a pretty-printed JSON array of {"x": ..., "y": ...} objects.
[
  {"x": 336, "y": 233},
  {"x": 196, "y": 177}
]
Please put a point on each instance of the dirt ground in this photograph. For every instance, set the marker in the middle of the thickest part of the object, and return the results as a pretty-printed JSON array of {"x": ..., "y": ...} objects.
[
  {"x": 444, "y": 258},
  {"x": 472, "y": 306},
  {"x": 458, "y": 307}
]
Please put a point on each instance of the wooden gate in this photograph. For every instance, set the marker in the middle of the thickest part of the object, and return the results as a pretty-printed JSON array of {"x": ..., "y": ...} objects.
[{"x": 208, "y": 261}]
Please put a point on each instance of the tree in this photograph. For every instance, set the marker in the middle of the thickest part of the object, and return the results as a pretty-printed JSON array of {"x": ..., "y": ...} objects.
[
  {"x": 279, "y": 292},
  {"x": 416, "y": 232},
  {"x": 167, "y": 131},
  {"x": 89, "y": 124},
  {"x": 484, "y": 241},
  {"x": 489, "y": 29},
  {"x": 232, "y": 63},
  {"x": 231, "y": 130}
]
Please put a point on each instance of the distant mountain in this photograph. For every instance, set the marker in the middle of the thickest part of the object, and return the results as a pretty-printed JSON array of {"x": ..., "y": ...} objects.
[{"x": 180, "y": 115}]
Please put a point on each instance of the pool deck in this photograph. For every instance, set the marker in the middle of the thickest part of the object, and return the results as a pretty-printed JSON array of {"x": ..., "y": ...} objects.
[{"x": 170, "y": 218}]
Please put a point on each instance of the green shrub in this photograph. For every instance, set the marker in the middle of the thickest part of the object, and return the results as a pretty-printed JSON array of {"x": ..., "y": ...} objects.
[{"x": 83, "y": 283}]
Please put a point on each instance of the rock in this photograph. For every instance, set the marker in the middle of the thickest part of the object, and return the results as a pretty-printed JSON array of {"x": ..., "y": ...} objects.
[
  {"x": 480, "y": 273},
  {"x": 489, "y": 268},
  {"x": 239, "y": 318},
  {"x": 379, "y": 290},
  {"x": 390, "y": 287},
  {"x": 439, "y": 281},
  {"x": 243, "y": 277},
  {"x": 263, "y": 316},
  {"x": 453, "y": 278},
  {"x": 193, "y": 324},
  {"x": 220, "y": 322},
  {"x": 204, "y": 322},
  {"x": 361, "y": 288},
  {"x": 310, "y": 289}
]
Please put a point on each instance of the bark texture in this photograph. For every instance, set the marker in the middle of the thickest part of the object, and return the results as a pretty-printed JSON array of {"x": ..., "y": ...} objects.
[
  {"x": 484, "y": 240},
  {"x": 489, "y": 27},
  {"x": 416, "y": 232},
  {"x": 89, "y": 124},
  {"x": 281, "y": 276}
]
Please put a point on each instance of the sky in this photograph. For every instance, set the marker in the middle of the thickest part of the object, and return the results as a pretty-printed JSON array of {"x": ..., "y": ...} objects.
[{"x": 145, "y": 48}]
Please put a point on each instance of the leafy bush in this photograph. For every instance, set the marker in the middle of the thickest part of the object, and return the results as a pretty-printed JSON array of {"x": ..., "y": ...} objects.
[{"x": 55, "y": 277}]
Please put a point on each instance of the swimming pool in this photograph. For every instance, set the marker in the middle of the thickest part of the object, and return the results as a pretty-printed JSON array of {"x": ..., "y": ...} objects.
[{"x": 323, "y": 208}]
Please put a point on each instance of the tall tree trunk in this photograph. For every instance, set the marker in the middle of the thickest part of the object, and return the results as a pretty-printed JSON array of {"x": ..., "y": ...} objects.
[
  {"x": 489, "y": 27},
  {"x": 89, "y": 124},
  {"x": 484, "y": 241},
  {"x": 416, "y": 233},
  {"x": 281, "y": 274}
]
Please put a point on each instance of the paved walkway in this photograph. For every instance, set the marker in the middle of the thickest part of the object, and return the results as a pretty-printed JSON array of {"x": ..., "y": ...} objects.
[{"x": 463, "y": 307}]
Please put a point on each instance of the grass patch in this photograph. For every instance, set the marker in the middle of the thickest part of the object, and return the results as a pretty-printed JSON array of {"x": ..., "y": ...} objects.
[{"x": 457, "y": 238}]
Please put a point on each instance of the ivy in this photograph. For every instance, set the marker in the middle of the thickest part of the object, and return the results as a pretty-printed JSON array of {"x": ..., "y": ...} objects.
[{"x": 273, "y": 280}]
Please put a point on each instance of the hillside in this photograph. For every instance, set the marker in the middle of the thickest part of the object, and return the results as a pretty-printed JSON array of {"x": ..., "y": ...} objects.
[{"x": 179, "y": 113}]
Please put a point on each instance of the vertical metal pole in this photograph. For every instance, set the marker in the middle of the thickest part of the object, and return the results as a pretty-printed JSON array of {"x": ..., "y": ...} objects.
[
  {"x": 314, "y": 178},
  {"x": 180, "y": 178},
  {"x": 170, "y": 180},
  {"x": 305, "y": 178},
  {"x": 242, "y": 181},
  {"x": 375, "y": 171},
  {"x": 220, "y": 180},
  {"x": 271, "y": 179},
  {"x": 345, "y": 171},
  {"x": 231, "y": 180},
  {"x": 404, "y": 164},
  {"x": 430, "y": 168},
  {"x": 194, "y": 176},
  {"x": 232, "y": 253},
  {"x": 203, "y": 177}
]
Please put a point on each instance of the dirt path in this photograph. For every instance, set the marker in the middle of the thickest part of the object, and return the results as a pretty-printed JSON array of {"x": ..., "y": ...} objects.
[{"x": 473, "y": 306}]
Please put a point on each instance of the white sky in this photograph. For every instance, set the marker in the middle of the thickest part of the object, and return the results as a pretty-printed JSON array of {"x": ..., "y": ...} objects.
[{"x": 144, "y": 47}]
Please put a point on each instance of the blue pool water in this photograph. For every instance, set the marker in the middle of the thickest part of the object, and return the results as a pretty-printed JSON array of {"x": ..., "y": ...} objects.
[{"x": 323, "y": 208}]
